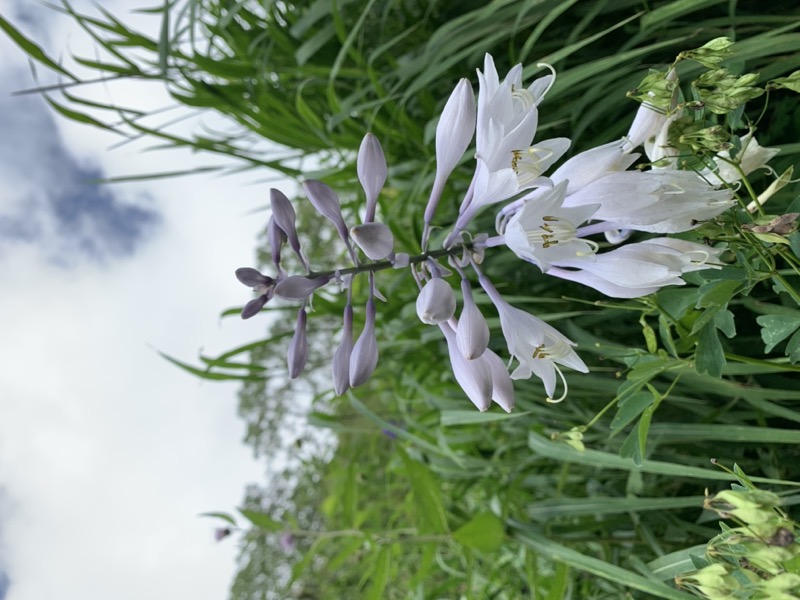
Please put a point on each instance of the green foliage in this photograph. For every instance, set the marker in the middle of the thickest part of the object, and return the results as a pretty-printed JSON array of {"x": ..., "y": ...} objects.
[{"x": 418, "y": 496}]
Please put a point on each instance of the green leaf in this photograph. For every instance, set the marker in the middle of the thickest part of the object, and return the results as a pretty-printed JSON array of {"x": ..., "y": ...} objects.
[
  {"x": 675, "y": 563},
  {"x": 261, "y": 520},
  {"x": 220, "y": 515},
  {"x": 469, "y": 417},
  {"x": 630, "y": 408},
  {"x": 482, "y": 532},
  {"x": 430, "y": 510},
  {"x": 793, "y": 348},
  {"x": 32, "y": 50},
  {"x": 709, "y": 357},
  {"x": 533, "y": 539},
  {"x": 380, "y": 574},
  {"x": 776, "y": 328}
]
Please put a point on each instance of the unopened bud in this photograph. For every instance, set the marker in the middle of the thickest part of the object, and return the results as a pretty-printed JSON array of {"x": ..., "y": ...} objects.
[
  {"x": 371, "y": 167},
  {"x": 364, "y": 358},
  {"x": 298, "y": 347},
  {"x": 472, "y": 333},
  {"x": 341, "y": 358},
  {"x": 436, "y": 302}
]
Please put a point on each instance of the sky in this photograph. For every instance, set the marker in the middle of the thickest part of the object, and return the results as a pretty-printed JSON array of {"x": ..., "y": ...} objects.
[{"x": 108, "y": 453}]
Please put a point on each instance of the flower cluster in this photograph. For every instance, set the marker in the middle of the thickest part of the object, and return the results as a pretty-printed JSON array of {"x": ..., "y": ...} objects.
[{"x": 551, "y": 221}]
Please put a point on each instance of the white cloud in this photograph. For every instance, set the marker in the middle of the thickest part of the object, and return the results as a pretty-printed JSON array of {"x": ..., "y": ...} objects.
[{"x": 107, "y": 452}]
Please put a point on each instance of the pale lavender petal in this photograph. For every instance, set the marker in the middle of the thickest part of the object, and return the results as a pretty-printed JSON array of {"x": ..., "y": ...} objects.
[
  {"x": 298, "y": 347},
  {"x": 364, "y": 358},
  {"x": 252, "y": 277},
  {"x": 277, "y": 238},
  {"x": 474, "y": 376},
  {"x": 374, "y": 239},
  {"x": 326, "y": 202},
  {"x": 436, "y": 302},
  {"x": 285, "y": 218},
  {"x": 472, "y": 332},
  {"x": 298, "y": 287},
  {"x": 253, "y": 307},
  {"x": 371, "y": 167},
  {"x": 341, "y": 358},
  {"x": 502, "y": 385}
]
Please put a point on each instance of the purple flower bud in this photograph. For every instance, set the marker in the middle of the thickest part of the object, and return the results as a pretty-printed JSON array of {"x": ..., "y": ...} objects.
[
  {"x": 253, "y": 278},
  {"x": 364, "y": 358},
  {"x": 341, "y": 358},
  {"x": 298, "y": 347},
  {"x": 326, "y": 202},
  {"x": 371, "y": 167},
  {"x": 277, "y": 238},
  {"x": 220, "y": 533},
  {"x": 436, "y": 302},
  {"x": 374, "y": 239},
  {"x": 255, "y": 305},
  {"x": 285, "y": 218},
  {"x": 298, "y": 287},
  {"x": 472, "y": 332}
]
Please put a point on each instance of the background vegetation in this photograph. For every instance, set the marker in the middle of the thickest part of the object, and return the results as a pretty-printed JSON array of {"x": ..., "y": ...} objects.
[{"x": 412, "y": 493}]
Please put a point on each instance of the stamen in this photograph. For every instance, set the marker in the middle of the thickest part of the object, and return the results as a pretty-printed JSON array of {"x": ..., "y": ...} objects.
[{"x": 566, "y": 387}]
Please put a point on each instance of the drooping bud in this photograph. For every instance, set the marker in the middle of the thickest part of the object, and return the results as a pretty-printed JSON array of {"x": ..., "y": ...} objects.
[
  {"x": 277, "y": 238},
  {"x": 502, "y": 386},
  {"x": 371, "y": 167},
  {"x": 374, "y": 239},
  {"x": 255, "y": 305},
  {"x": 298, "y": 347},
  {"x": 472, "y": 333},
  {"x": 341, "y": 358},
  {"x": 436, "y": 302},
  {"x": 364, "y": 358},
  {"x": 474, "y": 376},
  {"x": 298, "y": 287},
  {"x": 285, "y": 218},
  {"x": 327, "y": 204}
]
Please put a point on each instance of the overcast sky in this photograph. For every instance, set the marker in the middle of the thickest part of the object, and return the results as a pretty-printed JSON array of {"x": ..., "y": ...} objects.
[{"x": 107, "y": 452}]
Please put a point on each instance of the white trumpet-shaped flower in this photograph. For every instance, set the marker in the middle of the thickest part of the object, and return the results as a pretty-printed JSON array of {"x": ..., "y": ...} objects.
[
  {"x": 543, "y": 231},
  {"x": 538, "y": 347},
  {"x": 657, "y": 201},
  {"x": 636, "y": 270}
]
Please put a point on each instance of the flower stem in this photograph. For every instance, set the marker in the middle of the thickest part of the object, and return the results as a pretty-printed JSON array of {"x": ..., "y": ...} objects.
[{"x": 387, "y": 264}]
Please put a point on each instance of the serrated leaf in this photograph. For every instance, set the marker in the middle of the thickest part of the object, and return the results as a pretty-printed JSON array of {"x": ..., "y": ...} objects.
[
  {"x": 793, "y": 348},
  {"x": 776, "y": 328},
  {"x": 723, "y": 321},
  {"x": 709, "y": 356},
  {"x": 484, "y": 532}
]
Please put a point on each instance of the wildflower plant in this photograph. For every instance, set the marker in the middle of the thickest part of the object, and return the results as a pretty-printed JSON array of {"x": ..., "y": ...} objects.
[
  {"x": 585, "y": 221},
  {"x": 575, "y": 222}
]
